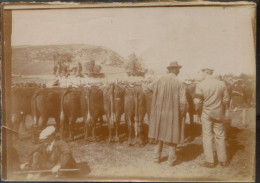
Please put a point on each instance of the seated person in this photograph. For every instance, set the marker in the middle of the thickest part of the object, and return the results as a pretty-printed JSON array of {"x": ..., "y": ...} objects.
[{"x": 50, "y": 154}]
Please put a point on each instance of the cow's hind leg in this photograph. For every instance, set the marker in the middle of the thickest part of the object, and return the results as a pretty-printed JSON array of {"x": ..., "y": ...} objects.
[
  {"x": 35, "y": 126},
  {"x": 130, "y": 121},
  {"x": 63, "y": 121},
  {"x": 116, "y": 128},
  {"x": 23, "y": 122},
  {"x": 71, "y": 127},
  {"x": 101, "y": 121},
  {"x": 140, "y": 132},
  {"x": 44, "y": 121},
  {"x": 87, "y": 126},
  {"x": 94, "y": 122},
  {"x": 57, "y": 122},
  {"x": 109, "y": 128}
]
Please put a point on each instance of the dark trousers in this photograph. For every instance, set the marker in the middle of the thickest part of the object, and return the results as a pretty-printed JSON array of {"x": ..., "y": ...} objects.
[{"x": 41, "y": 161}]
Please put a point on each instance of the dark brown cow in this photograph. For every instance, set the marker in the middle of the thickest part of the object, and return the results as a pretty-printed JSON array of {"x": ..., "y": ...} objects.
[
  {"x": 73, "y": 106},
  {"x": 21, "y": 105},
  {"x": 148, "y": 104},
  {"x": 114, "y": 107},
  {"x": 190, "y": 93},
  {"x": 95, "y": 105},
  {"x": 137, "y": 104},
  {"x": 248, "y": 91},
  {"x": 46, "y": 104},
  {"x": 140, "y": 111},
  {"x": 129, "y": 109}
]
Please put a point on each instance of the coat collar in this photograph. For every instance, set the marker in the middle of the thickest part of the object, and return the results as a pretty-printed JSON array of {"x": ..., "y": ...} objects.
[
  {"x": 209, "y": 77},
  {"x": 171, "y": 74},
  {"x": 50, "y": 147}
]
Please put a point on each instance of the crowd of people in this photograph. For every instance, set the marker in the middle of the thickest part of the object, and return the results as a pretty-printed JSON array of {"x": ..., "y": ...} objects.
[{"x": 66, "y": 68}]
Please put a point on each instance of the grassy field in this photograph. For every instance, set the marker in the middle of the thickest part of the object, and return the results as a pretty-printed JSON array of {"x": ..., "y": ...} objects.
[{"x": 115, "y": 161}]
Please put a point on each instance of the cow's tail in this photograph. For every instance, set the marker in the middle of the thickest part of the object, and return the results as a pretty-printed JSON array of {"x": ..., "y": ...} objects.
[
  {"x": 34, "y": 116},
  {"x": 136, "y": 111},
  {"x": 62, "y": 105},
  {"x": 112, "y": 105},
  {"x": 34, "y": 108},
  {"x": 89, "y": 120}
]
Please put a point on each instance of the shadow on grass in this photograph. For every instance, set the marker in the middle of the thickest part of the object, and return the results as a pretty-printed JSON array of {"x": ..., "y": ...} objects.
[{"x": 233, "y": 145}]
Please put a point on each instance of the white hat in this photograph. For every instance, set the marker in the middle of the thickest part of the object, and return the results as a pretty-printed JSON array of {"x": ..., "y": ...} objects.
[{"x": 47, "y": 132}]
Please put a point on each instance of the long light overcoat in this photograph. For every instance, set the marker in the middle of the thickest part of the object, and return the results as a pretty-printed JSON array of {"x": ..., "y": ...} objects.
[{"x": 169, "y": 99}]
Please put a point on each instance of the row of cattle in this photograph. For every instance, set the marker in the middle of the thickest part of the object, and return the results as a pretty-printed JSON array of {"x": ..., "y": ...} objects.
[{"x": 91, "y": 103}]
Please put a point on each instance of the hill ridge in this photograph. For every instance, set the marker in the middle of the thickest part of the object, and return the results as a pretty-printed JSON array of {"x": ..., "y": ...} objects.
[{"x": 25, "y": 55}]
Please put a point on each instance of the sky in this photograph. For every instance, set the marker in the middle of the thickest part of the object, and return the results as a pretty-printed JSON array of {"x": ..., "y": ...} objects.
[{"x": 196, "y": 37}]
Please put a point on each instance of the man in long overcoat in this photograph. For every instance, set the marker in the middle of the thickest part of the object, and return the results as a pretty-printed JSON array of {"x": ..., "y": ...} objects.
[{"x": 168, "y": 107}]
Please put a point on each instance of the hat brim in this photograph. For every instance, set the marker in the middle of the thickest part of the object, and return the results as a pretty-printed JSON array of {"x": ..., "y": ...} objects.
[
  {"x": 207, "y": 69},
  {"x": 174, "y": 67}
]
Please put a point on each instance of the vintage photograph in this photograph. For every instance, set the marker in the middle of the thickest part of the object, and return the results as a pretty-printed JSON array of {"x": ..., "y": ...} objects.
[{"x": 141, "y": 91}]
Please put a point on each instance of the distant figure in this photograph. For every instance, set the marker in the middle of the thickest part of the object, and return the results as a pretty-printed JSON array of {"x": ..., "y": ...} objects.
[
  {"x": 168, "y": 108},
  {"x": 66, "y": 69},
  {"x": 237, "y": 96},
  {"x": 55, "y": 69},
  {"x": 212, "y": 96},
  {"x": 60, "y": 68},
  {"x": 79, "y": 69},
  {"x": 50, "y": 154}
]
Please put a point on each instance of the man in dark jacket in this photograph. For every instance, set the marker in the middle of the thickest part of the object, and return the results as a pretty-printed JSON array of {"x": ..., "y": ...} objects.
[{"x": 50, "y": 154}]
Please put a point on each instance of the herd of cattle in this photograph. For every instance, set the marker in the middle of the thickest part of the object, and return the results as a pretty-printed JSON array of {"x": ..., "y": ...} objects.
[
  {"x": 65, "y": 105},
  {"x": 91, "y": 103}
]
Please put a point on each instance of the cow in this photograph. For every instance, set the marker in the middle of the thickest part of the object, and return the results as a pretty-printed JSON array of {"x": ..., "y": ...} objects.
[
  {"x": 113, "y": 107},
  {"x": 95, "y": 104},
  {"x": 190, "y": 94},
  {"x": 248, "y": 91},
  {"x": 148, "y": 104},
  {"x": 140, "y": 111},
  {"x": 46, "y": 104},
  {"x": 20, "y": 101},
  {"x": 237, "y": 96},
  {"x": 129, "y": 108},
  {"x": 73, "y": 106}
]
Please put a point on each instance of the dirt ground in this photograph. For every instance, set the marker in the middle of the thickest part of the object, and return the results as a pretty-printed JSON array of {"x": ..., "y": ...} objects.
[{"x": 102, "y": 160}]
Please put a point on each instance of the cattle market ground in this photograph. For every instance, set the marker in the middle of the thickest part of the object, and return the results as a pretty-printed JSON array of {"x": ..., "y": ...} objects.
[{"x": 103, "y": 160}]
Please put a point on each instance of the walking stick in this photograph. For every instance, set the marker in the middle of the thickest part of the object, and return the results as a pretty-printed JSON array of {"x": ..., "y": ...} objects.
[{"x": 46, "y": 171}]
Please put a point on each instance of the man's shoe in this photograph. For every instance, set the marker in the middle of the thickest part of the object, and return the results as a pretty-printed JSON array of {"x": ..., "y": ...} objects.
[
  {"x": 207, "y": 164},
  {"x": 172, "y": 163},
  {"x": 223, "y": 164},
  {"x": 156, "y": 160}
]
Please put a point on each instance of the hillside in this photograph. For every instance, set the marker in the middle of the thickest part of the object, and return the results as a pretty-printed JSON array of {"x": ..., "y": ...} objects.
[{"x": 39, "y": 59}]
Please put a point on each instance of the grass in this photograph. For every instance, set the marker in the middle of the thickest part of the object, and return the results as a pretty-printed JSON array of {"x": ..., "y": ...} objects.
[{"x": 102, "y": 160}]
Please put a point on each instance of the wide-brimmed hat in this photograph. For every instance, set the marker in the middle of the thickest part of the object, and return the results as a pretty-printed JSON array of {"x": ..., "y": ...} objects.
[
  {"x": 207, "y": 68},
  {"x": 174, "y": 65}
]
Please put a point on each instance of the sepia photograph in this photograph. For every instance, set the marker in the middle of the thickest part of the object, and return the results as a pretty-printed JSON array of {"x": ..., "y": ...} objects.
[{"x": 129, "y": 92}]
